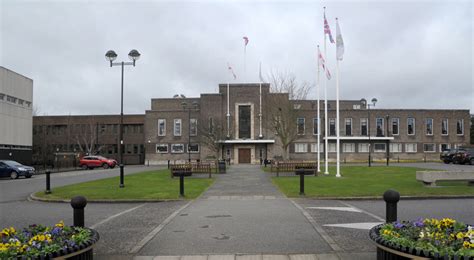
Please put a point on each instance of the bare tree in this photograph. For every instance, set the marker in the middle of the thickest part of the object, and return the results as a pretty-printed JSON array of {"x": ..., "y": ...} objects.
[
  {"x": 281, "y": 108},
  {"x": 86, "y": 137},
  {"x": 211, "y": 132}
]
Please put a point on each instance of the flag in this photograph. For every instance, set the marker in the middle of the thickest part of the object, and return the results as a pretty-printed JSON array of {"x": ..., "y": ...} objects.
[
  {"x": 326, "y": 29},
  {"x": 323, "y": 64},
  {"x": 260, "y": 73},
  {"x": 339, "y": 42},
  {"x": 246, "y": 40},
  {"x": 231, "y": 71}
]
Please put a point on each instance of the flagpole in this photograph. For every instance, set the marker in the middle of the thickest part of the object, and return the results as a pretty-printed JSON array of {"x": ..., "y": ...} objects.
[
  {"x": 338, "y": 174},
  {"x": 228, "y": 112},
  {"x": 318, "y": 117},
  {"x": 260, "y": 113},
  {"x": 326, "y": 170},
  {"x": 245, "y": 61}
]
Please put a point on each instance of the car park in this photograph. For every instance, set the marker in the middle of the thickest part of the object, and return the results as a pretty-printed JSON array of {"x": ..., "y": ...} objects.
[
  {"x": 90, "y": 162},
  {"x": 15, "y": 169}
]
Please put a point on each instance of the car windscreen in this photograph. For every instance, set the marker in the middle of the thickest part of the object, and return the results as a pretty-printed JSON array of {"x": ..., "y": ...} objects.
[{"x": 12, "y": 163}]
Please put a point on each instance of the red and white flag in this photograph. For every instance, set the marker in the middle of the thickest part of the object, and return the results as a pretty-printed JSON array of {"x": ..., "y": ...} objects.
[
  {"x": 322, "y": 62},
  {"x": 246, "y": 40},
  {"x": 327, "y": 30},
  {"x": 231, "y": 71}
]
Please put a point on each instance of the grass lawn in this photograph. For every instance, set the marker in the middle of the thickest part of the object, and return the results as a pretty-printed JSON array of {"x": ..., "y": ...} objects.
[
  {"x": 151, "y": 185},
  {"x": 365, "y": 181}
]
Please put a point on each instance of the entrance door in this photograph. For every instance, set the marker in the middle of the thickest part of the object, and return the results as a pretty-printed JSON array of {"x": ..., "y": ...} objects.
[{"x": 244, "y": 155}]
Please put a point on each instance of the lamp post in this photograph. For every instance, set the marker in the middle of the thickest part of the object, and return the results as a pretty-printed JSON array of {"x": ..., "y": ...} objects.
[
  {"x": 364, "y": 103},
  {"x": 134, "y": 55},
  {"x": 185, "y": 105}
]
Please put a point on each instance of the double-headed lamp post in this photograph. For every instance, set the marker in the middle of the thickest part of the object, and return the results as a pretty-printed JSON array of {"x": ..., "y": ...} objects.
[
  {"x": 185, "y": 105},
  {"x": 364, "y": 103},
  {"x": 134, "y": 55}
]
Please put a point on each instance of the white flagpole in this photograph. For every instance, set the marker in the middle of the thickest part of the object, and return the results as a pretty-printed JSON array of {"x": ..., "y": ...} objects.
[
  {"x": 326, "y": 169},
  {"x": 338, "y": 173},
  {"x": 228, "y": 112},
  {"x": 318, "y": 117},
  {"x": 245, "y": 61},
  {"x": 260, "y": 94}
]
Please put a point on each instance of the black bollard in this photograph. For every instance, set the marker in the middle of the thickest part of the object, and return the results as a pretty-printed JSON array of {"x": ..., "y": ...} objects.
[
  {"x": 168, "y": 164},
  {"x": 302, "y": 184},
  {"x": 48, "y": 182},
  {"x": 78, "y": 203},
  {"x": 121, "y": 176},
  {"x": 391, "y": 198},
  {"x": 181, "y": 185}
]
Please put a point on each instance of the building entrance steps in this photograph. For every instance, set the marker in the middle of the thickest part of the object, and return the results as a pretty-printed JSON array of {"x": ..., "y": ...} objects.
[{"x": 242, "y": 213}]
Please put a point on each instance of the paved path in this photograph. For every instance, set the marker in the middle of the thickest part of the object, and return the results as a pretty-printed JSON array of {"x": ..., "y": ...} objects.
[{"x": 242, "y": 213}]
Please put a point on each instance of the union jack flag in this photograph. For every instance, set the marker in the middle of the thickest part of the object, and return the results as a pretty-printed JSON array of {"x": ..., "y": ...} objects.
[
  {"x": 231, "y": 71},
  {"x": 322, "y": 62},
  {"x": 246, "y": 40},
  {"x": 327, "y": 30}
]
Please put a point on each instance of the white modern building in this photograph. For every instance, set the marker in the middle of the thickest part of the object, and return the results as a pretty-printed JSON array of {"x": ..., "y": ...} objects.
[{"x": 16, "y": 116}]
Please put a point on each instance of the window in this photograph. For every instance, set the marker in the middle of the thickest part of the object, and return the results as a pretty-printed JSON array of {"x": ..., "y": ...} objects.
[
  {"x": 460, "y": 127},
  {"x": 363, "y": 126},
  {"x": 20, "y": 102},
  {"x": 444, "y": 126},
  {"x": 379, "y": 123},
  {"x": 314, "y": 148},
  {"x": 177, "y": 127},
  {"x": 162, "y": 148},
  {"x": 301, "y": 148},
  {"x": 363, "y": 148},
  {"x": 355, "y": 107},
  {"x": 348, "y": 123},
  {"x": 395, "y": 147},
  {"x": 410, "y": 148},
  {"x": 348, "y": 147},
  {"x": 297, "y": 106},
  {"x": 28, "y": 103},
  {"x": 395, "y": 126},
  {"x": 315, "y": 126},
  {"x": 444, "y": 147},
  {"x": 193, "y": 126},
  {"x": 378, "y": 148},
  {"x": 244, "y": 121},
  {"x": 300, "y": 125},
  {"x": 411, "y": 126},
  {"x": 193, "y": 148},
  {"x": 2, "y": 96},
  {"x": 177, "y": 148},
  {"x": 11, "y": 99},
  {"x": 332, "y": 126},
  {"x": 429, "y": 148},
  {"x": 331, "y": 147},
  {"x": 211, "y": 125},
  {"x": 429, "y": 126}
]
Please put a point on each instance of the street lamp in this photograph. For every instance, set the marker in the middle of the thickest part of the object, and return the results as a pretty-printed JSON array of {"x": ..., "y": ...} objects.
[
  {"x": 133, "y": 55},
  {"x": 364, "y": 103},
  {"x": 185, "y": 105}
]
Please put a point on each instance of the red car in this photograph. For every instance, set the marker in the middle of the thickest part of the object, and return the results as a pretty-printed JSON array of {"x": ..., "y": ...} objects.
[{"x": 90, "y": 162}]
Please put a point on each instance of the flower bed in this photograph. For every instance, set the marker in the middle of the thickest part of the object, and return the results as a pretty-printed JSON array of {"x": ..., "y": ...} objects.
[
  {"x": 431, "y": 238},
  {"x": 37, "y": 241}
]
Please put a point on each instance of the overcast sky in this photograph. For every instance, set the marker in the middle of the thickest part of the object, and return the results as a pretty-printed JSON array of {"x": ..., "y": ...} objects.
[{"x": 407, "y": 54}]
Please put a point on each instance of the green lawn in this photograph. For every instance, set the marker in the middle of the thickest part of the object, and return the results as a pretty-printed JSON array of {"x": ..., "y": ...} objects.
[
  {"x": 151, "y": 185},
  {"x": 365, "y": 181}
]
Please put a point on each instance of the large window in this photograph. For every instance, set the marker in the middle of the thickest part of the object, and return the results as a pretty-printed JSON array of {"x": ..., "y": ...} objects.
[
  {"x": 348, "y": 123},
  {"x": 395, "y": 126},
  {"x": 429, "y": 126},
  {"x": 300, "y": 125},
  {"x": 460, "y": 127},
  {"x": 378, "y": 148},
  {"x": 444, "y": 126},
  {"x": 301, "y": 148},
  {"x": 395, "y": 147},
  {"x": 429, "y": 148},
  {"x": 411, "y": 126},
  {"x": 193, "y": 126},
  {"x": 444, "y": 147},
  {"x": 177, "y": 127},
  {"x": 331, "y": 147},
  {"x": 244, "y": 122},
  {"x": 363, "y": 148},
  {"x": 193, "y": 148},
  {"x": 315, "y": 126},
  {"x": 363, "y": 126},
  {"x": 177, "y": 148},
  {"x": 332, "y": 126},
  {"x": 161, "y": 127},
  {"x": 314, "y": 148},
  {"x": 379, "y": 123},
  {"x": 348, "y": 147},
  {"x": 410, "y": 148}
]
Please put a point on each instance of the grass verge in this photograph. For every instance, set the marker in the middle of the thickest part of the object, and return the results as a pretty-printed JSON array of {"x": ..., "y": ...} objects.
[
  {"x": 151, "y": 185},
  {"x": 361, "y": 181}
]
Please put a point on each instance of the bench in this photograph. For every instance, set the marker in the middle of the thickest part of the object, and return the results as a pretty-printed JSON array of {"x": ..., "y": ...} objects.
[
  {"x": 431, "y": 177},
  {"x": 178, "y": 169},
  {"x": 291, "y": 166}
]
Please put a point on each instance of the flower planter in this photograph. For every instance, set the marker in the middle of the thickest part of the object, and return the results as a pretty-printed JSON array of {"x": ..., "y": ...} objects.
[
  {"x": 79, "y": 252},
  {"x": 387, "y": 250}
]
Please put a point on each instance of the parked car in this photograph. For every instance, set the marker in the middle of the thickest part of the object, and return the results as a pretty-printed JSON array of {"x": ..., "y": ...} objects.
[
  {"x": 464, "y": 156},
  {"x": 447, "y": 156},
  {"x": 90, "y": 162},
  {"x": 14, "y": 169}
]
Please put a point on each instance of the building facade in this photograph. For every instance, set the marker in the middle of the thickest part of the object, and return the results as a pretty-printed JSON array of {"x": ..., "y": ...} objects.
[{"x": 16, "y": 108}]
